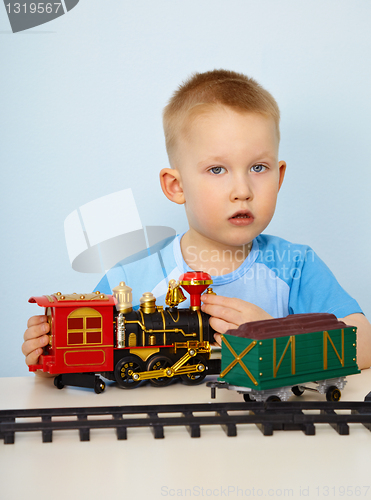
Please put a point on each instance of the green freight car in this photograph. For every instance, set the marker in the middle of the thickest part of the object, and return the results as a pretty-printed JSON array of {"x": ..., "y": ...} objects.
[{"x": 270, "y": 360}]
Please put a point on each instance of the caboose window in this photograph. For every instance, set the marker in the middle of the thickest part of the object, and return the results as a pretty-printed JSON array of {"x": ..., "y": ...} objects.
[
  {"x": 75, "y": 323},
  {"x": 75, "y": 338},
  {"x": 84, "y": 327},
  {"x": 93, "y": 337},
  {"x": 93, "y": 322}
]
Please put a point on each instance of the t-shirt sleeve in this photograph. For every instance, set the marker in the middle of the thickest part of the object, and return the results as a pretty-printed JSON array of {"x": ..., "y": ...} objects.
[
  {"x": 103, "y": 286},
  {"x": 141, "y": 276},
  {"x": 315, "y": 289}
]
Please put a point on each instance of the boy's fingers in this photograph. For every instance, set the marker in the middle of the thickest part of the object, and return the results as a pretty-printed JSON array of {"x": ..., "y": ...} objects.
[
  {"x": 33, "y": 357},
  {"x": 226, "y": 314},
  {"x": 35, "y": 338},
  {"x": 218, "y": 338},
  {"x": 219, "y": 300},
  {"x": 36, "y": 331},
  {"x": 33, "y": 345},
  {"x": 36, "y": 320},
  {"x": 221, "y": 326}
]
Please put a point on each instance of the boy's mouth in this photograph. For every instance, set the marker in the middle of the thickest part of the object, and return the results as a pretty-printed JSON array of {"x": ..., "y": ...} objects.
[{"x": 241, "y": 218}]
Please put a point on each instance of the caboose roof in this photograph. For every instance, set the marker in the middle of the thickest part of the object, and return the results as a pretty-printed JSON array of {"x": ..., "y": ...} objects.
[
  {"x": 73, "y": 299},
  {"x": 294, "y": 324}
]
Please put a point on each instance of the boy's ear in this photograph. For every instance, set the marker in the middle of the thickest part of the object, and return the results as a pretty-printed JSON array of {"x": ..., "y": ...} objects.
[
  {"x": 171, "y": 185},
  {"x": 282, "y": 170}
]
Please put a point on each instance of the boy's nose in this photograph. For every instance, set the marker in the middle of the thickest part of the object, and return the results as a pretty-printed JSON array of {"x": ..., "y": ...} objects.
[{"x": 241, "y": 191}]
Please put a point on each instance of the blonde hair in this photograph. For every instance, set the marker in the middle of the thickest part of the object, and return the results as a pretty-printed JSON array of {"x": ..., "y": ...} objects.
[{"x": 217, "y": 87}]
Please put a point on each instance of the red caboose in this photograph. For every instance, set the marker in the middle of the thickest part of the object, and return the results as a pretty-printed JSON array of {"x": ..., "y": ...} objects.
[{"x": 85, "y": 333}]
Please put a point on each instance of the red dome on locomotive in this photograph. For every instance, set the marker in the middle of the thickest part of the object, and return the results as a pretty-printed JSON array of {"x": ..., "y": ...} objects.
[{"x": 195, "y": 282}]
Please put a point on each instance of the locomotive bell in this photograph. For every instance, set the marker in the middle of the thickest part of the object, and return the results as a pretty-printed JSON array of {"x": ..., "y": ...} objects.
[
  {"x": 195, "y": 282},
  {"x": 124, "y": 297}
]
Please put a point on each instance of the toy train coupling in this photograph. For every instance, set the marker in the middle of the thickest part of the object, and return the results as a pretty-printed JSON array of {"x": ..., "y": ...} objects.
[{"x": 192, "y": 362}]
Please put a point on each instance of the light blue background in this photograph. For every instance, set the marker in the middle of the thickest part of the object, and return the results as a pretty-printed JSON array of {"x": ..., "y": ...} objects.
[{"x": 81, "y": 100}]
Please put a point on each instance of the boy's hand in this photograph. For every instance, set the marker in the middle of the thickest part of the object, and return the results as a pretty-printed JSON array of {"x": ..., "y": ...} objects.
[
  {"x": 229, "y": 313},
  {"x": 35, "y": 338}
]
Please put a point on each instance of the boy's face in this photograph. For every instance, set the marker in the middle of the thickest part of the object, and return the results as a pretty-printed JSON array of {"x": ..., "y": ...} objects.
[{"x": 229, "y": 175}]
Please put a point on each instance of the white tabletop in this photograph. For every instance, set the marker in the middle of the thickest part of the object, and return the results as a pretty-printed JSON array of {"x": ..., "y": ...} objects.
[{"x": 288, "y": 464}]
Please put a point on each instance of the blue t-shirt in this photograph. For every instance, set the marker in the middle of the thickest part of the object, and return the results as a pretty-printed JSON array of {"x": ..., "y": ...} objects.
[{"x": 280, "y": 277}]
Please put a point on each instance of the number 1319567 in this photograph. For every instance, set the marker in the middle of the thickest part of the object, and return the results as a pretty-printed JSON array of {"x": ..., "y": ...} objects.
[{"x": 33, "y": 8}]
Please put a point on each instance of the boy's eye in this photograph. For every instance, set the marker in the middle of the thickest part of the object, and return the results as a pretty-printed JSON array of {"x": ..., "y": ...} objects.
[
  {"x": 258, "y": 168},
  {"x": 217, "y": 170}
]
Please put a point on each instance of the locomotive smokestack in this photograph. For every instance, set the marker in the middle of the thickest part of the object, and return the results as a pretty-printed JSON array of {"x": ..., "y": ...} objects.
[{"x": 124, "y": 298}]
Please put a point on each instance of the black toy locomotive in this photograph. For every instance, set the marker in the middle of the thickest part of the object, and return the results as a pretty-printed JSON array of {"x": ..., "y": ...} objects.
[{"x": 99, "y": 334}]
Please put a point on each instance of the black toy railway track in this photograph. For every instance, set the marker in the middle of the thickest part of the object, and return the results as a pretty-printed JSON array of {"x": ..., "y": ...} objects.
[{"x": 268, "y": 416}]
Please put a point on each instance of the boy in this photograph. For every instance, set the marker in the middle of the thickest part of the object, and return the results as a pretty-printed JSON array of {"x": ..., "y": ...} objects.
[{"x": 222, "y": 138}]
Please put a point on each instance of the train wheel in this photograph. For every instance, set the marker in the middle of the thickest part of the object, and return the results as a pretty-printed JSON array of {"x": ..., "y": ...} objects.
[
  {"x": 159, "y": 362},
  {"x": 58, "y": 382},
  {"x": 333, "y": 394},
  {"x": 297, "y": 391},
  {"x": 198, "y": 377},
  {"x": 123, "y": 370},
  {"x": 273, "y": 398},
  {"x": 99, "y": 386}
]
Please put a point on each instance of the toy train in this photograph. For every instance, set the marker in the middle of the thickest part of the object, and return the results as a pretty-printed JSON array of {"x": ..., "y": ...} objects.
[
  {"x": 270, "y": 360},
  {"x": 98, "y": 334}
]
